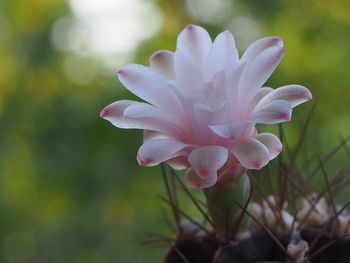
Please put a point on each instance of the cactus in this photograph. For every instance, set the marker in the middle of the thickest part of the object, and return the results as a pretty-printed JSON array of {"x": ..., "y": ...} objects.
[{"x": 287, "y": 221}]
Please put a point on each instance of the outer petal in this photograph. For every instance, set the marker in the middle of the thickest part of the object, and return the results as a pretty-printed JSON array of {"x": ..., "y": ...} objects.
[
  {"x": 149, "y": 86},
  {"x": 223, "y": 54},
  {"x": 272, "y": 143},
  {"x": 230, "y": 131},
  {"x": 275, "y": 112},
  {"x": 293, "y": 94},
  {"x": 258, "y": 46},
  {"x": 155, "y": 151},
  {"x": 147, "y": 111},
  {"x": 251, "y": 153},
  {"x": 207, "y": 160},
  {"x": 192, "y": 179},
  {"x": 162, "y": 61},
  {"x": 114, "y": 113},
  {"x": 261, "y": 93},
  {"x": 188, "y": 76},
  {"x": 259, "y": 70},
  {"x": 195, "y": 42}
]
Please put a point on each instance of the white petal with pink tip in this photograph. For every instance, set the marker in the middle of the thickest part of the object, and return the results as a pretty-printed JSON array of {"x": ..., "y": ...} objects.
[
  {"x": 272, "y": 142},
  {"x": 275, "y": 112},
  {"x": 162, "y": 61},
  {"x": 148, "y": 85},
  {"x": 114, "y": 113},
  {"x": 223, "y": 54},
  {"x": 293, "y": 94},
  {"x": 259, "y": 69},
  {"x": 155, "y": 151},
  {"x": 192, "y": 179},
  {"x": 207, "y": 160},
  {"x": 260, "y": 45},
  {"x": 251, "y": 153},
  {"x": 195, "y": 42}
]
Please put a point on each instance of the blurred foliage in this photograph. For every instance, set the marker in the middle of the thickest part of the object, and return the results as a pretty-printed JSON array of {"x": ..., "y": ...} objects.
[{"x": 70, "y": 188}]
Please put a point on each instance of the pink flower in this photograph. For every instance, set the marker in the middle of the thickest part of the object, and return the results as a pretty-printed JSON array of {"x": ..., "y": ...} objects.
[{"x": 203, "y": 104}]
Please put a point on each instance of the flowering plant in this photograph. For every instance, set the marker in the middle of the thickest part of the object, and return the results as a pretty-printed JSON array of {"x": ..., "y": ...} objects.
[{"x": 203, "y": 104}]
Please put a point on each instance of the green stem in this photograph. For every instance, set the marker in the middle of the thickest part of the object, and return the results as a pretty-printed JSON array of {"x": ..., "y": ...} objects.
[{"x": 222, "y": 209}]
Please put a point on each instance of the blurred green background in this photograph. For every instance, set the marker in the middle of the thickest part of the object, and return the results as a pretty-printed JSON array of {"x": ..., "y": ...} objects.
[{"x": 70, "y": 187}]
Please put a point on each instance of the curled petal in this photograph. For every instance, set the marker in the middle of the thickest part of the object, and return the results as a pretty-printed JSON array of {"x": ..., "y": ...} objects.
[
  {"x": 272, "y": 143},
  {"x": 251, "y": 153},
  {"x": 148, "y": 85},
  {"x": 230, "y": 131},
  {"x": 155, "y": 151},
  {"x": 192, "y": 179},
  {"x": 195, "y": 42},
  {"x": 275, "y": 112},
  {"x": 258, "y": 46},
  {"x": 162, "y": 61},
  {"x": 223, "y": 54},
  {"x": 293, "y": 94},
  {"x": 207, "y": 160},
  {"x": 259, "y": 69}
]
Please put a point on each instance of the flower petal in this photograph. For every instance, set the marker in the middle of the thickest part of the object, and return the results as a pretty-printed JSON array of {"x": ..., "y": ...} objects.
[
  {"x": 258, "y": 46},
  {"x": 155, "y": 151},
  {"x": 272, "y": 142},
  {"x": 232, "y": 89},
  {"x": 207, "y": 160},
  {"x": 251, "y": 153},
  {"x": 192, "y": 179},
  {"x": 230, "y": 131},
  {"x": 162, "y": 61},
  {"x": 150, "y": 135},
  {"x": 188, "y": 76},
  {"x": 223, "y": 54},
  {"x": 179, "y": 163},
  {"x": 293, "y": 94},
  {"x": 275, "y": 112},
  {"x": 195, "y": 42},
  {"x": 148, "y": 85},
  {"x": 114, "y": 113},
  {"x": 259, "y": 70},
  {"x": 261, "y": 93}
]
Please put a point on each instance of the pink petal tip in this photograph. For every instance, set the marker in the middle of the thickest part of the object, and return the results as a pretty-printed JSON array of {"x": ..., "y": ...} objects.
[
  {"x": 146, "y": 161},
  {"x": 120, "y": 72},
  {"x": 190, "y": 27},
  {"x": 308, "y": 96},
  {"x": 104, "y": 113},
  {"x": 257, "y": 165},
  {"x": 278, "y": 150},
  {"x": 286, "y": 117},
  {"x": 276, "y": 39},
  {"x": 204, "y": 173},
  {"x": 157, "y": 54}
]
